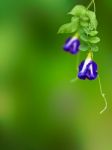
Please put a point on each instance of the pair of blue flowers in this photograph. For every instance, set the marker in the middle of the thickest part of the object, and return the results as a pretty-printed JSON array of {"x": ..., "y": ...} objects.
[{"x": 87, "y": 68}]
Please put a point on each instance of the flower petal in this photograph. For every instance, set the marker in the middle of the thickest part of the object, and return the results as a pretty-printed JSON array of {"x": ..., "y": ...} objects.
[
  {"x": 82, "y": 75},
  {"x": 72, "y": 45},
  {"x": 87, "y": 69},
  {"x": 92, "y": 71}
]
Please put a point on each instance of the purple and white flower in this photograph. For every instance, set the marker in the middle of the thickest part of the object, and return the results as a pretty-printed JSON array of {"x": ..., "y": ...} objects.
[
  {"x": 88, "y": 69},
  {"x": 72, "y": 45}
]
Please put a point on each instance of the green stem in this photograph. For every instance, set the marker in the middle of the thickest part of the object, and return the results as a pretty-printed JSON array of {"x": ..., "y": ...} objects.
[
  {"x": 103, "y": 96},
  {"x": 94, "y": 5},
  {"x": 90, "y": 4}
]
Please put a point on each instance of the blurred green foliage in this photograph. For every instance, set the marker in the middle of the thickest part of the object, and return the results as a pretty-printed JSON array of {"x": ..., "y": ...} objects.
[{"x": 39, "y": 107}]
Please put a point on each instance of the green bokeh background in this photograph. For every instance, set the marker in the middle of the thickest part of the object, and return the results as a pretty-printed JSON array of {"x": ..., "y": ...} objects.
[{"x": 39, "y": 108}]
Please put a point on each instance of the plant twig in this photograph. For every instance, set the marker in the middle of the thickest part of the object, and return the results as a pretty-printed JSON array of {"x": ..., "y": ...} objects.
[
  {"x": 90, "y": 4},
  {"x": 103, "y": 96}
]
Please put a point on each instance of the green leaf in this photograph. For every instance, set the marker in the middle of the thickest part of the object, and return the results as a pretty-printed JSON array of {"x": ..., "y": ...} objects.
[
  {"x": 84, "y": 46},
  {"x": 89, "y": 32},
  {"x": 84, "y": 18},
  {"x": 78, "y": 10},
  {"x": 69, "y": 27},
  {"x": 95, "y": 48},
  {"x": 93, "y": 33},
  {"x": 83, "y": 37},
  {"x": 74, "y": 18},
  {"x": 86, "y": 30},
  {"x": 84, "y": 23},
  {"x": 94, "y": 40},
  {"x": 91, "y": 27},
  {"x": 93, "y": 20}
]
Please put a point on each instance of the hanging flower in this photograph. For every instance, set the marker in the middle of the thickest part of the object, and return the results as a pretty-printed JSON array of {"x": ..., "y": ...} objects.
[
  {"x": 72, "y": 45},
  {"x": 88, "y": 69}
]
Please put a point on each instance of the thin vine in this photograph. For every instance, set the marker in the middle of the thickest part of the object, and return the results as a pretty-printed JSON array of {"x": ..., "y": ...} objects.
[{"x": 103, "y": 96}]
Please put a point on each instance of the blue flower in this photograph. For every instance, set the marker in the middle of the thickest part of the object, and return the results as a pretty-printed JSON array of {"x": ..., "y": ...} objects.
[
  {"x": 88, "y": 69},
  {"x": 72, "y": 45}
]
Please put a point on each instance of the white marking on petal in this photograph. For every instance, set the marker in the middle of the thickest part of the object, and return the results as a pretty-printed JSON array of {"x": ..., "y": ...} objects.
[
  {"x": 87, "y": 61},
  {"x": 71, "y": 40},
  {"x": 91, "y": 70},
  {"x": 74, "y": 45}
]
